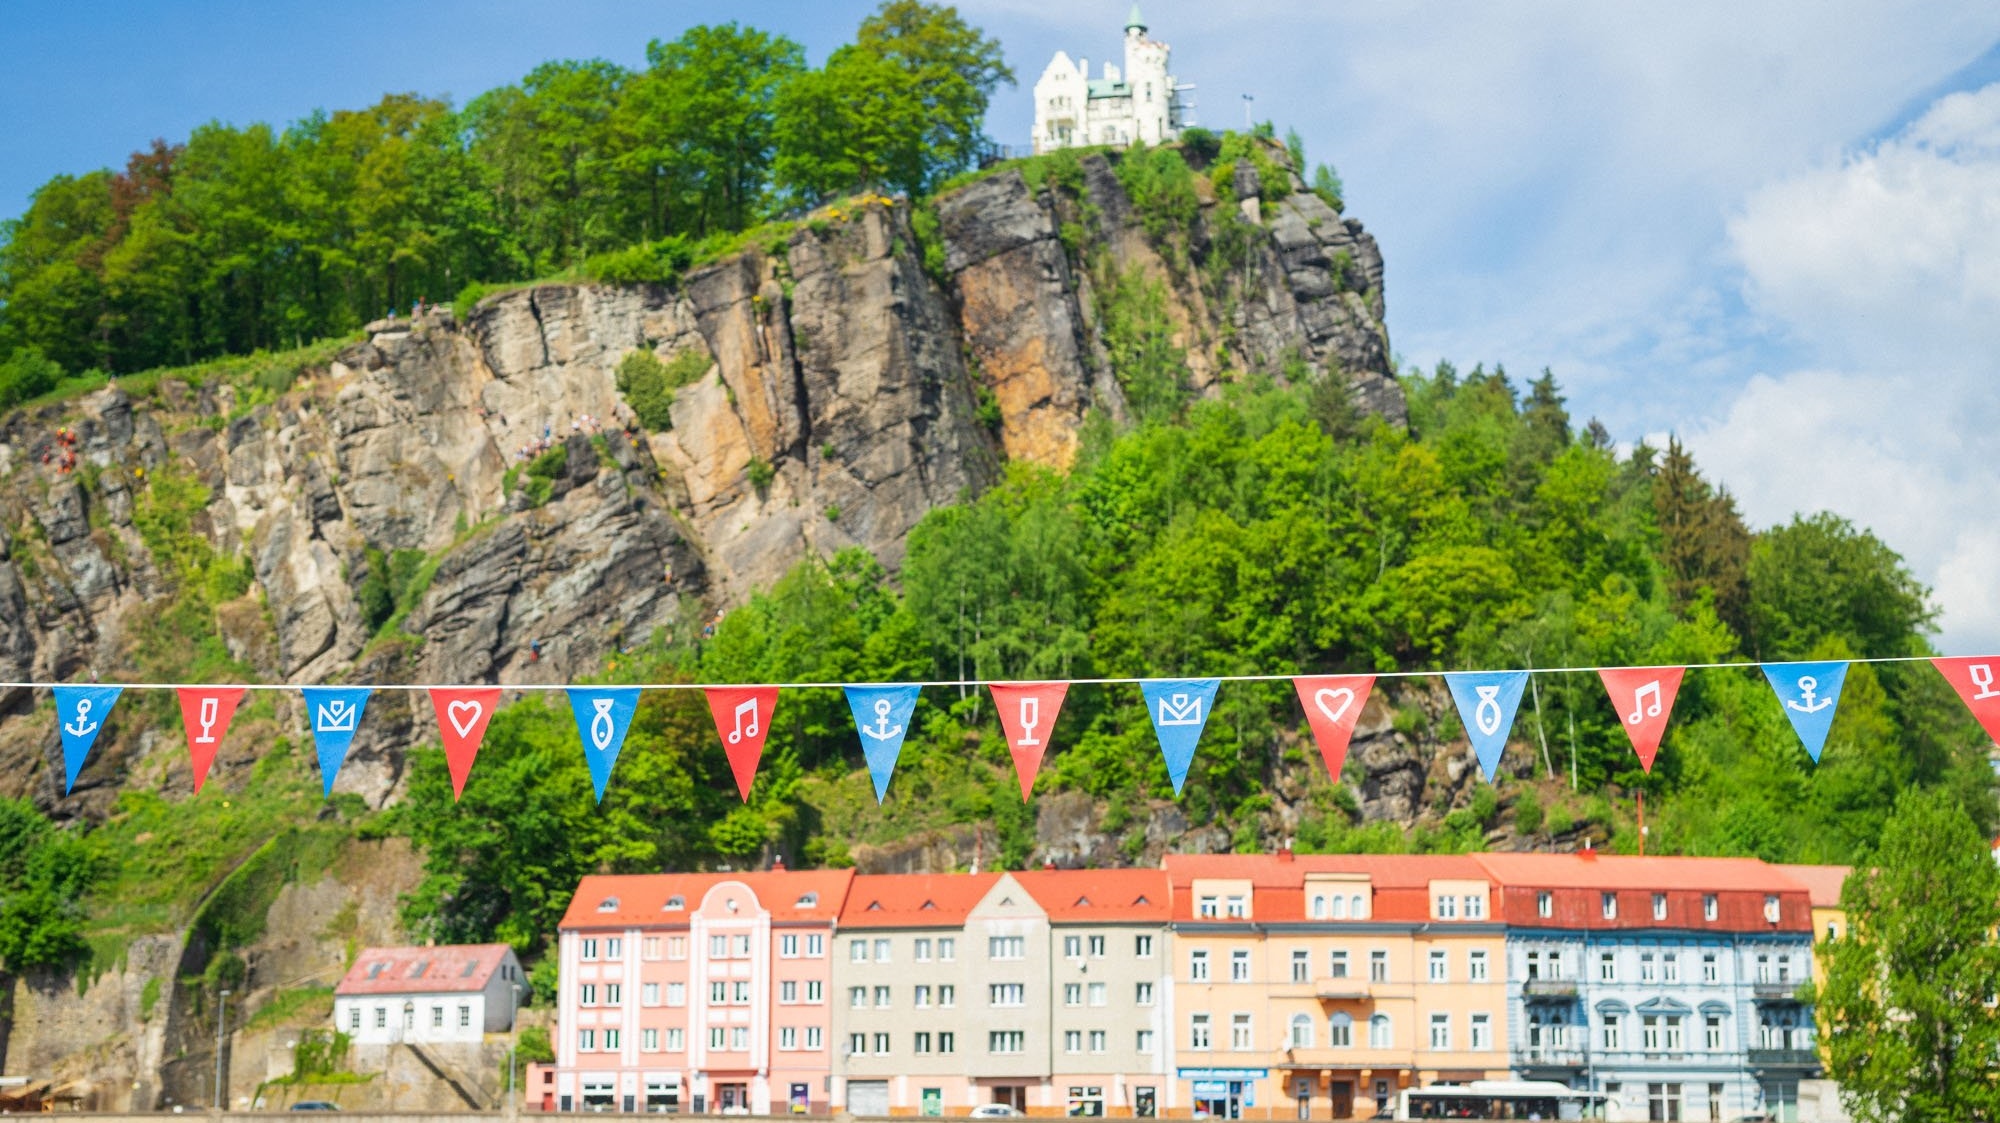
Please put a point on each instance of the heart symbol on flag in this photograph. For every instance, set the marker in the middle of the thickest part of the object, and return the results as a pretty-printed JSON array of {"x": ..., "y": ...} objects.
[
  {"x": 471, "y": 710},
  {"x": 1333, "y": 713}
]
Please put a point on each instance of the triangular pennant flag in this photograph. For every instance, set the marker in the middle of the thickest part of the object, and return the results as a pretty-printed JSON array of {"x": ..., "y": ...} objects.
[
  {"x": 1644, "y": 699},
  {"x": 1975, "y": 679},
  {"x": 1486, "y": 704},
  {"x": 1333, "y": 704},
  {"x": 80, "y": 714},
  {"x": 1027, "y": 712},
  {"x": 1810, "y": 692},
  {"x": 462, "y": 714},
  {"x": 603, "y": 714},
  {"x": 205, "y": 713},
  {"x": 1179, "y": 708},
  {"x": 882, "y": 713},
  {"x": 743, "y": 718},
  {"x": 335, "y": 713}
]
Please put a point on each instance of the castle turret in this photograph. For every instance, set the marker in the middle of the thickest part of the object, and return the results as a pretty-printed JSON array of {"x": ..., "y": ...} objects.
[{"x": 1133, "y": 103}]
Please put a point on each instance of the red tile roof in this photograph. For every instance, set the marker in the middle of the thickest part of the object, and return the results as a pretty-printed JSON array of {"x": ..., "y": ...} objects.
[
  {"x": 914, "y": 900},
  {"x": 1612, "y": 872},
  {"x": 1084, "y": 896},
  {"x": 1822, "y": 883},
  {"x": 450, "y": 969},
  {"x": 639, "y": 900}
]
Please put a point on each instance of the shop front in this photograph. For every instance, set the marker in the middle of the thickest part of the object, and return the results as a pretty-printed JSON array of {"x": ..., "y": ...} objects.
[{"x": 1223, "y": 1093}]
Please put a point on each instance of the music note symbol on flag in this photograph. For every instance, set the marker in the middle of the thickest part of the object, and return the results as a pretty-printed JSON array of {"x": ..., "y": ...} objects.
[
  {"x": 743, "y": 719},
  {"x": 1644, "y": 699}
]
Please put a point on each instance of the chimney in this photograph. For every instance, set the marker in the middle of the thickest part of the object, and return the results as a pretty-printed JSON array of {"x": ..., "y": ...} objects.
[
  {"x": 1285, "y": 851},
  {"x": 1048, "y": 863},
  {"x": 1588, "y": 853},
  {"x": 778, "y": 863}
]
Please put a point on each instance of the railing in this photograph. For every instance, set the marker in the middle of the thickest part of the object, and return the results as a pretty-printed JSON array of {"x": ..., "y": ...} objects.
[
  {"x": 1556, "y": 1057},
  {"x": 1780, "y": 992},
  {"x": 1549, "y": 988},
  {"x": 1783, "y": 1058}
]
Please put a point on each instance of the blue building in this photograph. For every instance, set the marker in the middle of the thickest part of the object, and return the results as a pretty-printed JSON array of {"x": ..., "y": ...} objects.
[{"x": 1669, "y": 985}]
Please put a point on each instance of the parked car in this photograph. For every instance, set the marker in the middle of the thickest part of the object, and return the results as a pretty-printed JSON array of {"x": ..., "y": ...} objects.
[
  {"x": 315, "y": 1105},
  {"x": 995, "y": 1111}
]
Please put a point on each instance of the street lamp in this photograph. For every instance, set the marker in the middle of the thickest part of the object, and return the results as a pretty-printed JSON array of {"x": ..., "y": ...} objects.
[
  {"x": 221, "y": 1018},
  {"x": 513, "y": 1039}
]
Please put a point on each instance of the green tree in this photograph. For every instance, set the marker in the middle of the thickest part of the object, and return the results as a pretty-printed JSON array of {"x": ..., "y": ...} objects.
[
  {"x": 43, "y": 874},
  {"x": 1913, "y": 1035},
  {"x": 1818, "y": 577}
]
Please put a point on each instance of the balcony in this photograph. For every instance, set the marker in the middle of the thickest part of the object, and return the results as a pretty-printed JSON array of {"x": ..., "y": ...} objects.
[
  {"x": 1338, "y": 990},
  {"x": 1783, "y": 1058},
  {"x": 1554, "y": 1057},
  {"x": 1549, "y": 988},
  {"x": 1775, "y": 992}
]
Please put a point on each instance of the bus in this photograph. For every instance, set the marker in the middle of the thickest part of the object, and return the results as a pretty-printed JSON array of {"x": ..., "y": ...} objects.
[{"x": 1500, "y": 1099}]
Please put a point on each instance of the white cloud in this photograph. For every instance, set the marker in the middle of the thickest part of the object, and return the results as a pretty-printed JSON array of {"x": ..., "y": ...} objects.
[{"x": 1884, "y": 268}]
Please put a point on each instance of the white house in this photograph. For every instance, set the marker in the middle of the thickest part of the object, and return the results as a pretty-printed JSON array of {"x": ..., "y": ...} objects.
[
  {"x": 429, "y": 995},
  {"x": 1141, "y": 102}
]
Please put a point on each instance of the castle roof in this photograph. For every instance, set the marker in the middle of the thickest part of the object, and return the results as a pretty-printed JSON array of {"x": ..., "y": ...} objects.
[{"x": 1135, "y": 19}]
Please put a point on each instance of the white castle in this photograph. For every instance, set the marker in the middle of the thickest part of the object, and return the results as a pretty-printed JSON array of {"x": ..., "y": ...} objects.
[{"x": 1141, "y": 103}]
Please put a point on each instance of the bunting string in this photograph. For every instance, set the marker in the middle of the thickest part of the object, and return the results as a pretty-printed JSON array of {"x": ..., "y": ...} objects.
[{"x": 1807, "y": 691}]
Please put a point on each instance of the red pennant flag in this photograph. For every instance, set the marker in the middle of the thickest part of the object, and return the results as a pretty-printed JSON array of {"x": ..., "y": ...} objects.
[
  {"x": 206, "y": 712},
  {"x": 743, "y": 718},
  {"x": 1027, "y": 712},
  {"x": 1333, "y": 704},
  {"x": 1644, "y": 699},
  {"x": 462, "y": 714},
  {"x": 1977, "y": 680}
]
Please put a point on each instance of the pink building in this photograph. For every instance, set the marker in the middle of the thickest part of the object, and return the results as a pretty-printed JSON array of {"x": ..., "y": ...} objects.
[{"x": 696, "y": 992}]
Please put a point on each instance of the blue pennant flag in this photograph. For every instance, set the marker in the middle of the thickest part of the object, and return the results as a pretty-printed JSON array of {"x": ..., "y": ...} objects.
[
  {"x": 603, "y": 714},
  {"x": 1179, "y": 708},
  {"x": 882, "y": 713},
  {"x": 80, "y": 712},
  {"x": 1809, "y": 692},
  {"x": 1486, "y": 704},
  {"x": 335, "y": 713}
]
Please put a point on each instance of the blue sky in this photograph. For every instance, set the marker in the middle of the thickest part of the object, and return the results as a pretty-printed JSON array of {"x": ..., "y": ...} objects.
[{"x": 1773, "y": 229}]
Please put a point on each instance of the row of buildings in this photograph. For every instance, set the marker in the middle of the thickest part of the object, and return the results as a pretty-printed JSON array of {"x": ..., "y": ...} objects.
[{"x": 1226, "y": 986}]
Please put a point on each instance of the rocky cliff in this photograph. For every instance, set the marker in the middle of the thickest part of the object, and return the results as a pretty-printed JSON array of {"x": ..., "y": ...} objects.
[{"x": 837, "y": 379}]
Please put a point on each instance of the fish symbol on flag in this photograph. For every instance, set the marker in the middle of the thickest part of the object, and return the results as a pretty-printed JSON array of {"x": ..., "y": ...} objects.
[{"x": 1486, "y": 704}]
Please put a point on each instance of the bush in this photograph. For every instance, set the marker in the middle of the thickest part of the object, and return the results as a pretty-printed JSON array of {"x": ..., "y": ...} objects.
[
  {"x": 1161, "y": 187},
  {"x": 27, "y": 374},
  {"x": 659, "y": 263},
  {"x": 649, "y": 384},
  {"x": 1527, "y": 813},
  {"x": 761, "y": 473}
]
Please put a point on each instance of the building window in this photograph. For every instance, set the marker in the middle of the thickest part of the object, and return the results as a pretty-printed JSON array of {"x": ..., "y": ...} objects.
[
  {"x": 788, "y": 947},
  {"x": 649, "y": 1040},
  {"x": 788, "y": 991},
  {"x": 1648, "y": 972},
  {"x": 1611, "y": 1043},
  {"x": 613, "y": 947},
  {"x": 1475, "y": 907},
  {"x": 1670, "y": 967},
  {"x": 1663, "y": 1101},
  {"x": 857, "y": 998},
  {"x": 1358, "y": 907},
  {"x": 612, "y": 994},
  {"x": 857, "y": 1044},
  {"x": 437, "y": 1017},
  {"x": 1198, "y": 965},
  {"x": 1659, "y": 906},
  {"x": 1006, "y": 994},
  {"x": 1097, "y": 947},
  {"x": 947, "y": 996},
  {"x": 677, "y": 947},
  {"x": 1073, "y": 947},
  {"x": 1239, "y": 1033},
  {"x": 1143, "y": 1043},
  {"x": 677, "y": 994},
  {"x": 1338, "y": 910},
  {"x": 1711, "y": 1033},
  {"x": 881, "y": 1042},
  {"x": 586, "y": 994},
  {"x": 922, "y": 952},
  {"x": 1482, "y": 1032},
  {"x": 1337, "y": 965},
  {"x": 1763, "y": 968},
  {"x": 1340, "y": 1031},
  {"x": 1609, "y": 901},
  {"x": 610, "y": 1040},
  {"x": 1381, "y": 1035},
  {"x": 1771, "y": 907},
  {"x": 881, "y": 951},
  {"x": 1607, "y": 967},
  {"x": 586, "y": 1040},
  {"x": 464, "y": 1017},
  {"x": 676, "y": 1040},
  {"x": 1710, "y": 970},
  {"x": 1301, "y": 968},
  {"x": 1097, "y": 994},
  {"x": 1545, "y": 904},
  {"x": 1438, "y": 971},
  {"x": 1302, "y": 1032},
  {"x": 588, "y": 950},
  {"x": 1318, "y": 907},
  {"x": 815, "y": 946},
  {"x": 650, "y": 948},
  {"x": 649, "y": 994},
  {"x": 1006, "y": 947},
  {"x": 1378, "y": 966},
  {"x": 922, "y": 999},
  {"x": 1072, "y": 1041},
  {"x": 857, "y": 952},
  {"x": 1440, "y": 1031},
  {"x": 1445, "y": 907},
  {"x": 881, "y": 996},
  {"x": 718, "y": 947},
  {"x": 1475, "y": 966},
  {"x": 1072, "y": 994},
  {"x": 718, "y": 993},
  {"x": 1198, "y": 1031},
  {"x": 1142, "y": 994},
  {"x": 1209, "y": 907},
  {"x": 1649, "y": 1033},
  {"x": 921, "y": 1043},
  {"x": 813, "y": 1037},
  {"x": 947, "y": 1042},
  {"x": 1238, "y": 907},
  {"x": 1006, "y": 1041},
  {"x": 354, "y": 1017},
  {"x": 788, "y": 1037},
  {"x": 1709, "y": 908},
  {"x": 1239, "y": 966},
  {"x": 1142, "y": 947},
  {"x": 947, "y": 951}
]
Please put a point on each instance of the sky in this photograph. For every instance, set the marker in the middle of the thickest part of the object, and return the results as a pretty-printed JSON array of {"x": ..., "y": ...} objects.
[{"x": 1772, "y": 230}]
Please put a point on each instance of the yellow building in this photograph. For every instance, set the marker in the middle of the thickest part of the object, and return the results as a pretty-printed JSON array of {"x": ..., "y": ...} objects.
[{"x": 1320, "y": 987}]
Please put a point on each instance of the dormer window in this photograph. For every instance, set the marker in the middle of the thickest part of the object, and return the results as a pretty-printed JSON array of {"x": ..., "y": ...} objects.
[
  {"x": 807, "y": 901},
  {"x": 608, "y": 904},
  {"x": 1771, "y": 907},
  {"x": 674, "y": 903}
]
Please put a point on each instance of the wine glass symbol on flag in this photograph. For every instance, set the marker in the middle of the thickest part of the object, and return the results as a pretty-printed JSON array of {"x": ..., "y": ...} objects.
[{"x": 1027, "y": 711}]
